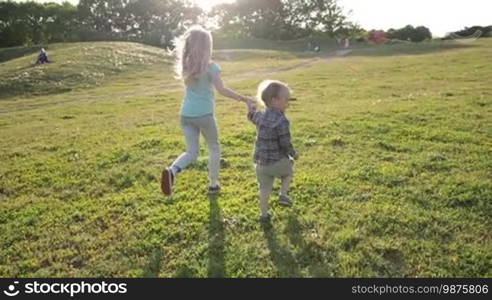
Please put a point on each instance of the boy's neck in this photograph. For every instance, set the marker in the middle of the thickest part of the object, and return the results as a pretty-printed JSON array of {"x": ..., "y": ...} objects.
[{"x": 275, "y": 108}]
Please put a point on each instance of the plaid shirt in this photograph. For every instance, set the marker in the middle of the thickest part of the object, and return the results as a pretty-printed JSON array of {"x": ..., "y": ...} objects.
[{"x": 273, "y": 136}]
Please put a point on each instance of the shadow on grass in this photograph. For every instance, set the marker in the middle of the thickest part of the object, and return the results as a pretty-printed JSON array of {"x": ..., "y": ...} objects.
[
  {"x": 216, "y": 240},
  {"x": 153, "y": 268},
  {"x": 7, "y": 54},
  {"x": 184, "y": 272},
  {"x": 308, "y": 255},
  {"x": 408, "y": 49},
  {"x": 314, "y": 257},
  {"x": 283, "y": 259}
]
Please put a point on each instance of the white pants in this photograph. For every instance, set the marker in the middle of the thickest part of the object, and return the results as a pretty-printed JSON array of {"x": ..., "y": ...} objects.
[{"x": 192, "y": 127}]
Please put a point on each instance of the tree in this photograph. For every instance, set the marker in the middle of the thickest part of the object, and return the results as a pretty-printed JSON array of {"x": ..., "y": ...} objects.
[
  {"x": 280, "y": 19},
  {"x": 409, "y": 33},
  {"x": 13, "y": 31},
  {"x": 27, "y": 23},
  {"x": 154, "y": 22},
  {"x": 422, "y": 33},
  {"x": 254, "y": 18},
  {"x": 312, "y": 16},
  {"x": 352, "y": 31},
  {"x": 157, "y": 21},
  {"x": 102, "y": 16},
  {"x": 61, "y": 20}
]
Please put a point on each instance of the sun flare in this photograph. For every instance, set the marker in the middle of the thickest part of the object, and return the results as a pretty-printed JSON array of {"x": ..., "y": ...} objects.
[{"x": 208, "y": 4}]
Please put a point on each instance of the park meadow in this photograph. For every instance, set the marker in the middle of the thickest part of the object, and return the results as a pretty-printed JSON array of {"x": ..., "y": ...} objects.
[{"x": 394, "y": 177}]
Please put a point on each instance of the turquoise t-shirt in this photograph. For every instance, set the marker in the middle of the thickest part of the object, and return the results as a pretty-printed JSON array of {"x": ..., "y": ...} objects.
[{"x": 199, "y": 95}]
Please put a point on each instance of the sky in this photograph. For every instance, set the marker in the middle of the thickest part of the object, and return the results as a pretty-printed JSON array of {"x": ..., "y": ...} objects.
[{"x": 440, "y": 16}]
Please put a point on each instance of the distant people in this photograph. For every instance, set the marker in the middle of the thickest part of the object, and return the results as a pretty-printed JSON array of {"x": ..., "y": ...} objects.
[
  {"x": 312, "y": 46},
  {"x": 163, "y": 40},
  {"x": 346, "y": 43},
  {"x": 309, "y": 46},
  {"x": 42, "y": 57}
]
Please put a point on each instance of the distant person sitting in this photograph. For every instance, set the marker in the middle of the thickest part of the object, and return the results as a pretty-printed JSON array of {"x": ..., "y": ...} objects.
[
  {"x": 346, "y": 43},
  {"x": 42, "y": 57},
  {"x": 309, "y": 46}
]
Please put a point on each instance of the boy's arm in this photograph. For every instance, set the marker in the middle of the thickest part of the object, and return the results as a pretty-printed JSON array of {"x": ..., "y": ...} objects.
[
  {"x": 252, "y": 112},
  {"x": 284, "y": 139}
]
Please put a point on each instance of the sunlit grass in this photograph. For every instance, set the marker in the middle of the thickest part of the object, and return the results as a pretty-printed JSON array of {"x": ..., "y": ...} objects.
[{"x": 394, "y": 177}]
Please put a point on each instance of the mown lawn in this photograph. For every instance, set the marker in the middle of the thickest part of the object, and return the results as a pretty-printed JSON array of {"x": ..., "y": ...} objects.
[{"x": 394, "y": 178}]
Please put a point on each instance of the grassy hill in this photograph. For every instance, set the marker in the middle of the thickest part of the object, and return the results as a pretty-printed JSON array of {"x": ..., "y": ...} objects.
[
  {"x": 16, "y": 52},
  {"x": 87, "y": 65},
  {"x": 394, "y": 177},
  {"x": 75, "y": 66}
]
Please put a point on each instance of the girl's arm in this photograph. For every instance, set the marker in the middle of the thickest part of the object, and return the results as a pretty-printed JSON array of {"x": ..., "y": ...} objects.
[{"x": 226, "y": 92}]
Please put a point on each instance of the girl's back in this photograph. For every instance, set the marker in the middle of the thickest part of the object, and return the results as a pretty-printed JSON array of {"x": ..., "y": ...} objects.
[{"x": 199, "y": 94}]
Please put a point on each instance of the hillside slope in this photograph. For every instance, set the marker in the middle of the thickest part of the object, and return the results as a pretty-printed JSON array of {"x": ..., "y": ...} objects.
[
  {"x": 394, "y": 177},
  {"x": 76, "y": 65}
]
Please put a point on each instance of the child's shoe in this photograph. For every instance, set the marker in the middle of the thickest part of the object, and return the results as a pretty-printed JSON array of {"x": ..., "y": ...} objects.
[
  {"x": 265, "y": 219},
  {"x": 284, "y": 200},
  {"x": 167, "y": 182},
  {"x": 212, "y": 190}
]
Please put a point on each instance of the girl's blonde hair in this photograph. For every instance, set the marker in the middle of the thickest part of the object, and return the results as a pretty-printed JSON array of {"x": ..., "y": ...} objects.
[
  {"x": 269, "y": 89},
  {"x": 194, "y": 51}
]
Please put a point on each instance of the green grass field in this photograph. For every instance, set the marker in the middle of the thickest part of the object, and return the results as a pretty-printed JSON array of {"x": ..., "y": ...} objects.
[{"x": 394, "y": 178}]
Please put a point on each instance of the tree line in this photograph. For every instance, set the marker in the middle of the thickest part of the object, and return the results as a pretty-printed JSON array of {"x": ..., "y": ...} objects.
[
  {"x": 157, "y": 22},
  {"x": 153, "y": 22},
  {"x": 283, "y": 19}
]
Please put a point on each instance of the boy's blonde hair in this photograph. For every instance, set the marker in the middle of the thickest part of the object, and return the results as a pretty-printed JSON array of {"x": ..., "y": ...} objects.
[
  {"x": 194, "y": 51},
  {"x": 269, "y": 89}
]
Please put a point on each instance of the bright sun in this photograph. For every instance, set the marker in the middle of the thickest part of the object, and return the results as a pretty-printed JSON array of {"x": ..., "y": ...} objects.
[{"x": 208, "y": 4}]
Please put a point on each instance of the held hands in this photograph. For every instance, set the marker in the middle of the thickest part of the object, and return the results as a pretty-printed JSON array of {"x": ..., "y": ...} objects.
[
  {"x": 251, "y": 103},
  {"x": 294, "y": 157}
]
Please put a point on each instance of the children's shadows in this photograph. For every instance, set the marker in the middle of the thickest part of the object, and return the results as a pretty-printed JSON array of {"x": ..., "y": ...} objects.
[
  {"x": 283, "y": 259},
  {"x": 308, "y": 255},
  {"x": 216, "y": 247},
  {"x": 216, "y": 240},
  {"x": 294, "y": 257},
  {"x": 153, "y": 268}
]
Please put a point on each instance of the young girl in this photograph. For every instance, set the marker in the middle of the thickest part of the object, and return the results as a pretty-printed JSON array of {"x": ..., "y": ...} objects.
[
  {"x": 200, "y": 75},
  {"x": 274, "y": 152}
]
